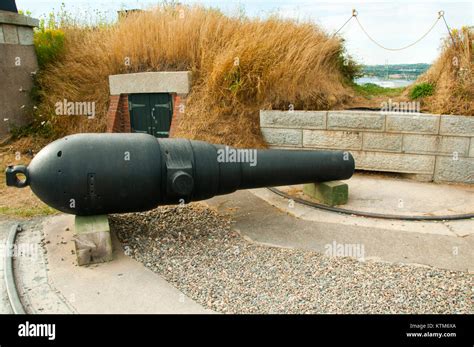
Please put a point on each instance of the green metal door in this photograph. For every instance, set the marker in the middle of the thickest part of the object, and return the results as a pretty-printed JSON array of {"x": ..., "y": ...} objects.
[{"x": 151, "y": 113}]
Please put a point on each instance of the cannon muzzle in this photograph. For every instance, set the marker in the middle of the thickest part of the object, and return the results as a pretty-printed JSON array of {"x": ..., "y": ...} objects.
[{"x": 88, "y": 174}]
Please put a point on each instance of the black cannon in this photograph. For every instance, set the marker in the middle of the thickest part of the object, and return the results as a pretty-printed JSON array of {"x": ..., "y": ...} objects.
[{"x": 87, "y": 174}]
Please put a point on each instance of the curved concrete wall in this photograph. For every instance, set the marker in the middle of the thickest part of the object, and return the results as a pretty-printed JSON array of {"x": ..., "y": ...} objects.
[
  {"x": 17, "y": 63},
  {"x": 431, "y": 147}
]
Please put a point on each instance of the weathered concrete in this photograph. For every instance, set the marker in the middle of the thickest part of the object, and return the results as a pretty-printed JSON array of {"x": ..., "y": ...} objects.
[
  {"x": 394, "y": 162},
  {"x": 413, "y": 123},
  {"x": 92, "y": 240},
  {"x": 356, "y": 120},
  {"x": 450, "y": 169},
  {"x": 457, "y": 126},
  {"x": 330, "y": 193},
  {"x": 17, "y": 62},
  {"x": 151, "y": 82},
  {"x": 4, "y": 301},
  {"x": 10, "y": 34},
  {"x": 17, "y": 19},
  {"x": 276, "y": 222},
  {"x": 436, "y": 144},
  {"x": 35, "y": 290},
  {"x": 120, "y": 286},
  {"x": 25, "y": 36},
  {"x": 283, "y": 137},
  {"x": 382, "y": 142},
  {"x": 294, "y": 119},
  {"x": 378, "y": 193},
  {"x": 333, "y": 139}
]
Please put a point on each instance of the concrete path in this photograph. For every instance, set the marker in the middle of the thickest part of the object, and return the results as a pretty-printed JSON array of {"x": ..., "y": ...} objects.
[
  {"x": 120, "y": 286},
  {"x": 49, "y": 280},
  {"x": 267, "y": 218},
  {"x": 4, "y": 302},
  {"x": 370, "y": 192}
]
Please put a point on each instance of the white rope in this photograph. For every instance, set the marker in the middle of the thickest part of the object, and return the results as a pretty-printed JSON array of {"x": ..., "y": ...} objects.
[{"x": 354, "y": 15}]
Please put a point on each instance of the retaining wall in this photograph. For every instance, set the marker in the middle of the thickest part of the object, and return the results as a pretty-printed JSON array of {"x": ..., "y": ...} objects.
[
  {"x": 17, "y": 64},
  {"x": 430, "y": 147}
]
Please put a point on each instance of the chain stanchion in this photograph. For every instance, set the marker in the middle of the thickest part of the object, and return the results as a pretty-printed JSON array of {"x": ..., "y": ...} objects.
[
  {"x": 441, "y": 15},
  {"x": 354, "y": 14}
]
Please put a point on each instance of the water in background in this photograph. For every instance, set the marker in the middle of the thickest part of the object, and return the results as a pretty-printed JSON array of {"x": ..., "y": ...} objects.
[{"x": 386, "y": 83}]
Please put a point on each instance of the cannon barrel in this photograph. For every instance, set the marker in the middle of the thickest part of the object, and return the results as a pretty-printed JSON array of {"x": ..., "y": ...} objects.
[{"x": 87, "y": 174}]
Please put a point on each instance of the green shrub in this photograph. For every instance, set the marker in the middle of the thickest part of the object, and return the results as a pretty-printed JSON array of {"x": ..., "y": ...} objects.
[
  {"x": 49, "y": 44},
  {"x": 349, "y": 67},
  {"x": 422, "y": 90}
]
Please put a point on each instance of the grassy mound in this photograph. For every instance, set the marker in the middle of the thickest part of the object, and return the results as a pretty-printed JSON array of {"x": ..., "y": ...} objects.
[
  {"x": 239, "y": 66},
  {"x": 448, "y": 86}
]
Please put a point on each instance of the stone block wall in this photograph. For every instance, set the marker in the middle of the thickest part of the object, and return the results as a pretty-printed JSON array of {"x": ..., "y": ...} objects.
[{"x": 435, "y": 147}]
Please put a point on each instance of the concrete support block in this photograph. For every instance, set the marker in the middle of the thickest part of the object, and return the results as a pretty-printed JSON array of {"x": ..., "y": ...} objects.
[
  {"x": 471, "y": 151},
  {"x": 409, "y": 123},
  {"x": 92, "y": 239},
  {"x": 283, "y": 137},
  {"x": 10, "y": 34},
  {"x": 383, "y": 142},
  {"x": 356, "y": 120},
  {"x": 451, "y": 169},
  {"x": 293, "y": 119},
  {"x": 394, "y": 162},
  {"x": 332, "y": 139},
  {"x": 457, "y": 125},
  {"x": 435, "y": 144},
  {"x": 330, "y": 193},
  {"x": 18, "y": 19},
  {"x": 25, "y": 35}
]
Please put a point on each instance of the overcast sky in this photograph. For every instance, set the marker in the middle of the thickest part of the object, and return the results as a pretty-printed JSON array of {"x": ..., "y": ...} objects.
[{"x": 393, "y": 24}]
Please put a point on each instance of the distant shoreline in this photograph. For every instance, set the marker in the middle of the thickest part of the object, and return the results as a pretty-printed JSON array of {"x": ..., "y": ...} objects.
[
  {"x": 386, "y": 83},
  {"x": 405, "y": 72}
]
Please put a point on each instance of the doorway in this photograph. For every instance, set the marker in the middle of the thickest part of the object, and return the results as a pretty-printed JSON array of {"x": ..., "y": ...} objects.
[{"x": 151, "y": 113}]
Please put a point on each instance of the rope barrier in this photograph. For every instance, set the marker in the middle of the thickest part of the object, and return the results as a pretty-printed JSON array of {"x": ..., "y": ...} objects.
[{"x": 355, "y": 15}]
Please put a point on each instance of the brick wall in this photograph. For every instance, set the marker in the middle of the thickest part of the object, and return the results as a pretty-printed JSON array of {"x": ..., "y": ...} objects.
[
  {"x": 118, "y": 116},
  {"x": 179, "y": 107},
  {"x": 435, "y": 147}
]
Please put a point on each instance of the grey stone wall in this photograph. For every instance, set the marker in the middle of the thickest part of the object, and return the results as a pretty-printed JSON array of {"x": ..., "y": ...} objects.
[
  {"x": 440, "y": 147},
  {"x": 17, "y": 62}
]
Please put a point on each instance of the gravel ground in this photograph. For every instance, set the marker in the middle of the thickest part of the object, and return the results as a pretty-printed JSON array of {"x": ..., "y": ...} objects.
[{"x": 195, "y": 248}]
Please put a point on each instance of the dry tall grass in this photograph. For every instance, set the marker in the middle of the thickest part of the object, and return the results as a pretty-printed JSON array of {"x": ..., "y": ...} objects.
[
  {"x": 239, "y": 67},
  {"x": 453, "y": 77}
]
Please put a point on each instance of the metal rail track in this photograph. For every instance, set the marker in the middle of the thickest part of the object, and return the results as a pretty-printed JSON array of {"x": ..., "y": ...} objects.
[
  {"x": 371, "y": 214},
  {"x": 9, "y": 275}
]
